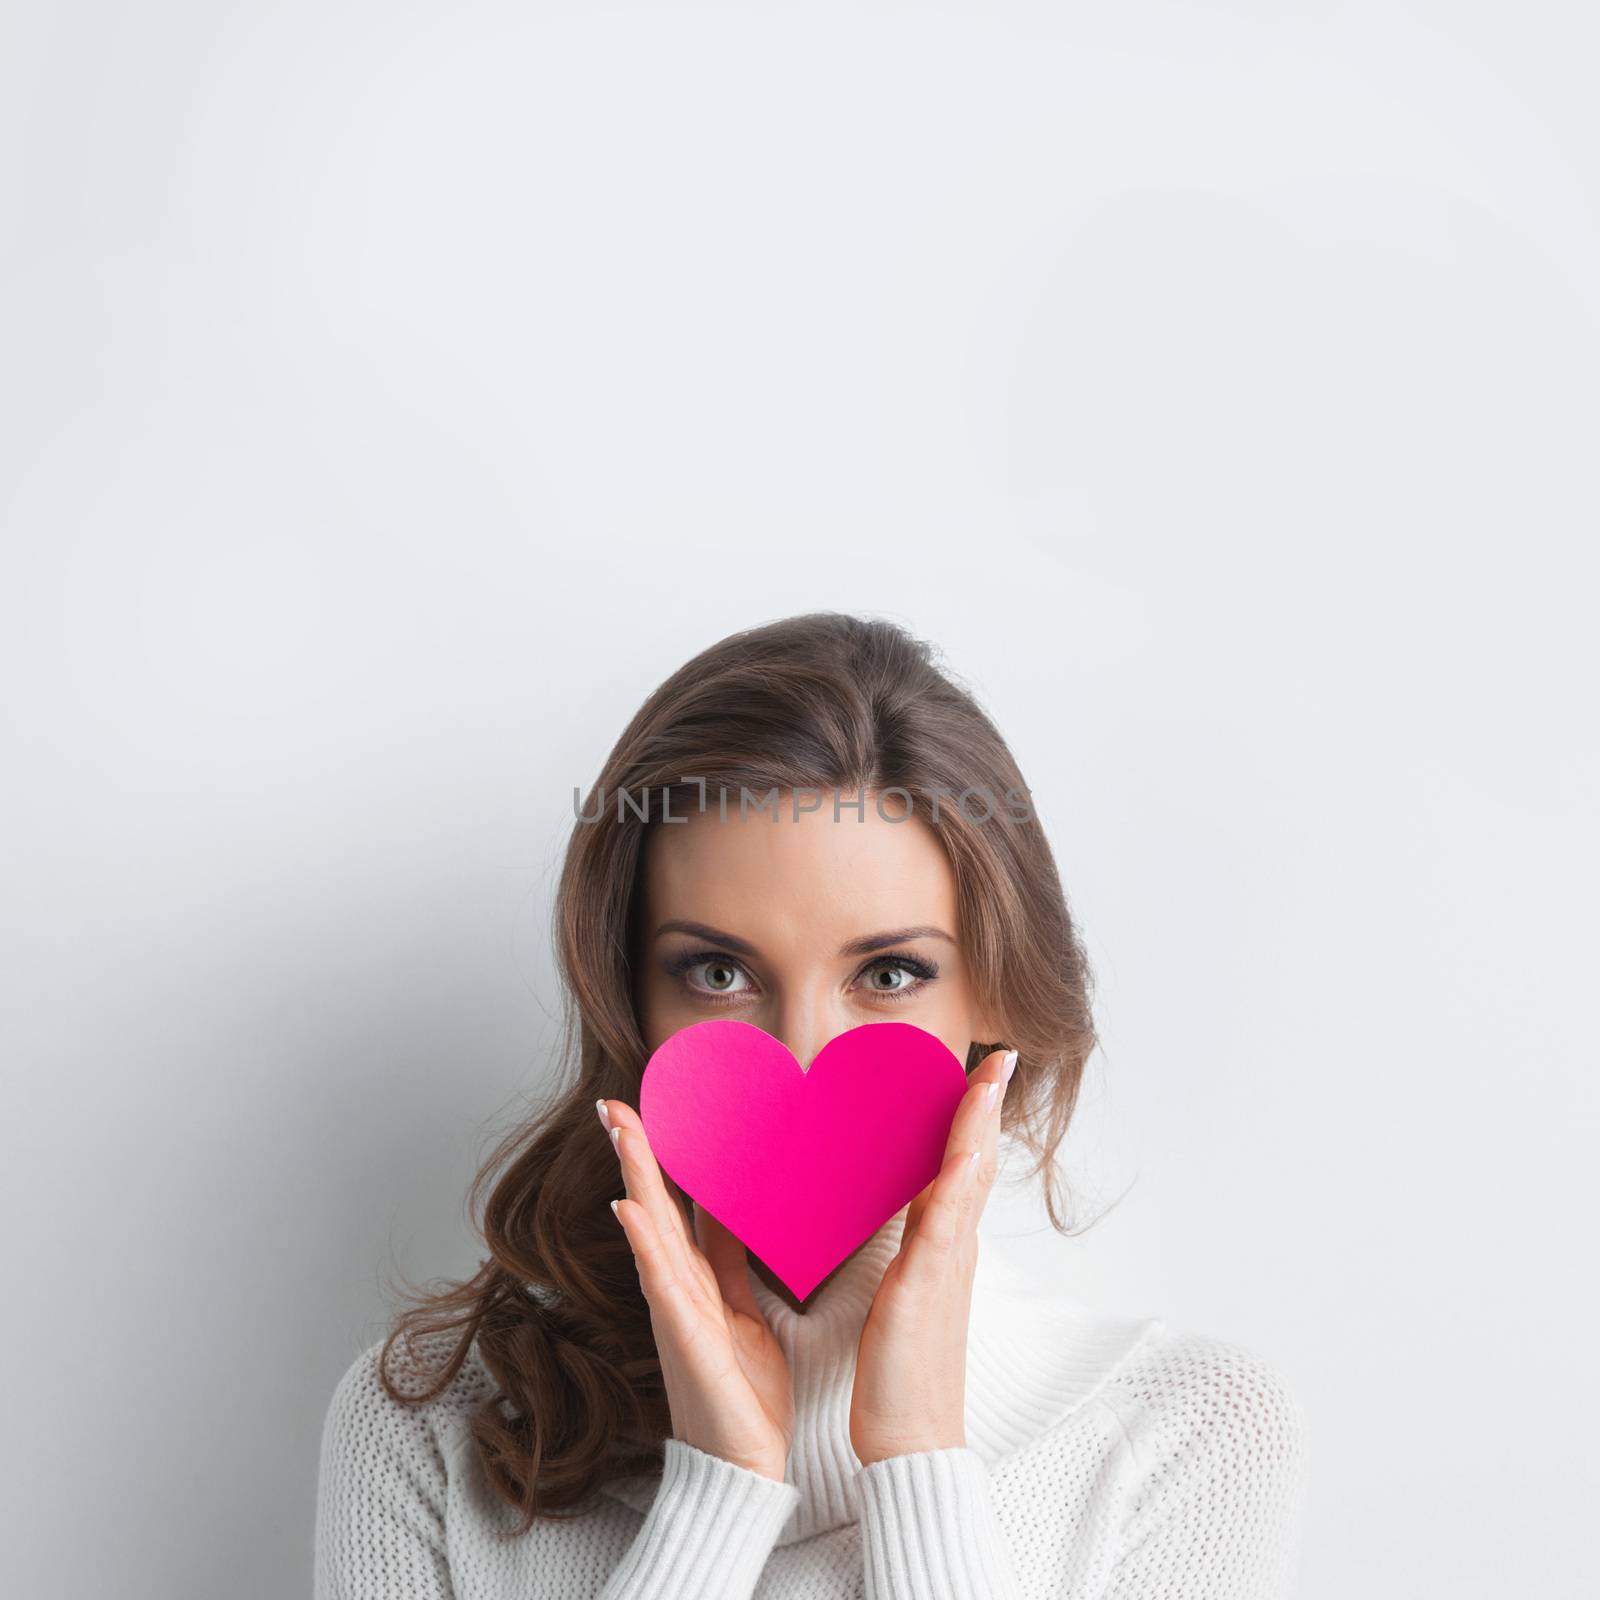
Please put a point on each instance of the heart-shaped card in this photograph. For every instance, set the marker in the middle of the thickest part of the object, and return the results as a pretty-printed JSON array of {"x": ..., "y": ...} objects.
[{"x": 801, "y": 1165}]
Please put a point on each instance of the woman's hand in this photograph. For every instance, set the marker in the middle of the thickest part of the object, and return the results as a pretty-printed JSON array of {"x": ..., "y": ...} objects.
[
  {"x": 911, "y": 1365},
  {"x": 728, "y": 1385}
]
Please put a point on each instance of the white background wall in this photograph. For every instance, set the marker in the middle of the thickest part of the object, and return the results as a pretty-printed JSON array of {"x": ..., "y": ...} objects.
[{"x": 393, "y": 395}]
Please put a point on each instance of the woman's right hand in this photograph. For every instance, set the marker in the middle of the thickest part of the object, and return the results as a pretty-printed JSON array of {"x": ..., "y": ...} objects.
[{"x": 728, "y": 1385}]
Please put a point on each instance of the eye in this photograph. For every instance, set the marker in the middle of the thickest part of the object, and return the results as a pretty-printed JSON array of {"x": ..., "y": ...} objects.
[
  {"x": 725, "y": 980},
  {"x": 905, "y": 975},
  {"x": 722, "y": 976}
]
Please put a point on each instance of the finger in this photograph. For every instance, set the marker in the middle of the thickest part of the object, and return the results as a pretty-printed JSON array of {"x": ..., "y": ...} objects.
[
  {"x": 646, "y": 1183},
  {"x": 969, "y": 1113},
  {"x": 642, "y": 1175},
  {"x": 664, "y": 1291},
  {"x": 975, "y": 1126},
  {"x": 729, "y": 1260},
  {"x": 919, "y": 1202},
  {"x": 943, "y": 1220},
  {"x": 983, "y": 1176}
]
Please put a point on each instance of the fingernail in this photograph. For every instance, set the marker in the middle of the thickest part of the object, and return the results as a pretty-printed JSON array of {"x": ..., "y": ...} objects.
[
  {"x": 1008, "y": 1066},
  {"x": 600, "y": 1106},
  {"x": 616, "y": 1137},
  {"x": 614, "y": 1212},
  {"x": 990, "y": 1096},
  {"x": 972, "y": 1163}
]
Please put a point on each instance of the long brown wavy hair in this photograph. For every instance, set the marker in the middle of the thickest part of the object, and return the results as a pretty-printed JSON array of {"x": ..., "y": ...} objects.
[{"x": 825, "y": 701}]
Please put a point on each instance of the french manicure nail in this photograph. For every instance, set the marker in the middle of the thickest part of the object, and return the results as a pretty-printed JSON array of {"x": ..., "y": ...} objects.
[
  {"x": 616, "y": 1136},
  {"x": 1008, "y": 1066},
  {"x": 600, "y": 1106},
  {"x": 990, "y": 1096}
]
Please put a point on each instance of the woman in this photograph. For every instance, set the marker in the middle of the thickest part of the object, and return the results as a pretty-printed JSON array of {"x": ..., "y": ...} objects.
[{"x": 645, "y": 1411}]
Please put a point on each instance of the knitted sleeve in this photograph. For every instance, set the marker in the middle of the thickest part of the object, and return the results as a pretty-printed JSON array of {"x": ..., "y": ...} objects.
[
  {"x": 928, "y": 1527},
  {"x": 382, "y": 1491},
  {"x": 1223, "y": 1457},
  {"x": 708, "y": 1532}
]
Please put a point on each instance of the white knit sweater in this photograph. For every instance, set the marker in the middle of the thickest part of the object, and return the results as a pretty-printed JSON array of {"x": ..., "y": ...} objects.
[{"x": 1107, "y": 1457}]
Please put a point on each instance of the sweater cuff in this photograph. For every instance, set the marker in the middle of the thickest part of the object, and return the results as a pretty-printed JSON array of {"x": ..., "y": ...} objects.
[
  {"x": 708, "y": 1532},
  {"x": 928, "y": 1527}
]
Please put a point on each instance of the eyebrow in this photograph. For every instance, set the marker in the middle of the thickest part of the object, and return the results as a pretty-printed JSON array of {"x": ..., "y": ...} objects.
[{"x": 863, "y": 946}]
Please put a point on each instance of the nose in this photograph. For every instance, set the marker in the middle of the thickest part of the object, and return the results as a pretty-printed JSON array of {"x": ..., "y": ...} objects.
[{"x": 805, "y": 1023}]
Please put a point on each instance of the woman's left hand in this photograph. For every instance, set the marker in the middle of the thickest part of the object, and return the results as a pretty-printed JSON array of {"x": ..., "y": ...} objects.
[{"x": 911, "y": 1366}]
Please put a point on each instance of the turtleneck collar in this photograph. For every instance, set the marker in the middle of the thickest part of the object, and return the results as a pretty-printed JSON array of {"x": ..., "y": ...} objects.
[
  {"x": 1034, "y": 1354},
  {"x": 820, "y": 1345}
]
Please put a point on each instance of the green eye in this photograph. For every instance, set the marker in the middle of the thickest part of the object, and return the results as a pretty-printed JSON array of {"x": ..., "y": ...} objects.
[
  {"x": 723, "y": 977},
  {"x": 890, "y": 977},
  {"x": 917, "y": 972}
]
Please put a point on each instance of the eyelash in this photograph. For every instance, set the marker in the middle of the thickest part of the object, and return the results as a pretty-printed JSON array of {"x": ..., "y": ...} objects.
[{"x": 677, "y": 966}]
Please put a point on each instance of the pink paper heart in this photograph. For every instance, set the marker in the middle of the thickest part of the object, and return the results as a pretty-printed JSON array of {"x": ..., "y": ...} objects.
[{"x": 801, "y": 1166}]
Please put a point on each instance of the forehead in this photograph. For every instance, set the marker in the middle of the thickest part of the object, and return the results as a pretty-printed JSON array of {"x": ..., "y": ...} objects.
[{"x": 812, "y": 876}]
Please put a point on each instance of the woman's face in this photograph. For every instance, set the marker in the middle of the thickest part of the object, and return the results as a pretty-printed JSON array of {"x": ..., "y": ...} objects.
[{"x": 805, "y": 927}]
